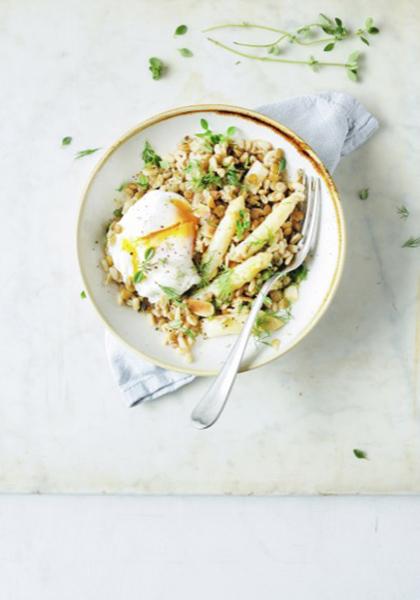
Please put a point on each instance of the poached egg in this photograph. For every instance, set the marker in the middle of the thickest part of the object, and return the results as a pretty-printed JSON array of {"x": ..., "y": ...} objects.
[{"x": 155, "y": 247}]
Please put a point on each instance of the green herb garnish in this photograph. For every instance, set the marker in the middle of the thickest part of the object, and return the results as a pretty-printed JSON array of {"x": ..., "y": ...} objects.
[
  {"x": 243, "y": 223},
  {"x": 232, "y": 176},
  {"x": 83, "y": 153},
  {"x": 369, "y": 28},
  {"x": 66, "y": 140},
  {"x": 300, "y": 274},
  {"x": 215, "y": 138},
  {"x": 201, "y": 180},
  {"x": 359, "y": 453},
  {"x": 150, "y": 252},
  {"x": 171, "y": 293},
  {"x": 403, "y": 212},
  {"x": 83, "y": 294},
  {"x": 143, "y": 181},
  {"x": 139, "y": 276},
  {"x": 181, "y": 30},
  {"x": 185, "y": 52},
  {"x": 412, "y": 242},
  {"x": 282, "y": 164},
  {"x": 121, "y": 187},
  {"x": 364, "y": 194},
  {"x": 156, "y": 67},
  {"x": 224, "y": 286},
  {"x": 118, "y": 213},
  {"x": 149, "y": 155}
]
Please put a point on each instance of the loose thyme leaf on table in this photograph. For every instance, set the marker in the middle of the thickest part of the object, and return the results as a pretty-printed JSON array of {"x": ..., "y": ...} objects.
[
  {"x": 412, "y": 242},
  {"x": 156, "y": 67},
  {"x": 181, "y": 30},
  {"x": 66, "y": 140},
  {"x": 185, "y": 52},
  {"x": 359, "y": 453},
  {"x": 83, "y": 153},
  {"x": 83, "y": 294},
  {"x": 403, "y": 212},
  {"x": 364, "y": 194}
]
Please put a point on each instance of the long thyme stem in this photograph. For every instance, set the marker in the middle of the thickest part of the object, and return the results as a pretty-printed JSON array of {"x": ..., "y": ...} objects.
[{"x": 279, "y": 60}]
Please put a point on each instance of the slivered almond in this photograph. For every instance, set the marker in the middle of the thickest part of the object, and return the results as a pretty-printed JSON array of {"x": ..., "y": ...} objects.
[{"x": 202, "y": 308}]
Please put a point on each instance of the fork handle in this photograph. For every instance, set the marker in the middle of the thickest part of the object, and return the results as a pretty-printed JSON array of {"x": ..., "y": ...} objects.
[{"x": 213, "y": 402}]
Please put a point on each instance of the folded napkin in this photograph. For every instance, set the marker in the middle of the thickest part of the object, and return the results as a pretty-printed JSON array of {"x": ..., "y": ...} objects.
[{"x": 334, "y": 124}]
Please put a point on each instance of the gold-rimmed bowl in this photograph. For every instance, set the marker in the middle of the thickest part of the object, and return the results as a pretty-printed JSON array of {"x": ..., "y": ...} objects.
[{"x": 119, "y": 163}]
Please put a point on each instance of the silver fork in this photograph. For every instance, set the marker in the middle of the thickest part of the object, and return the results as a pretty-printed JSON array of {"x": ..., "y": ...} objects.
[{"x": 210, "y": 407}]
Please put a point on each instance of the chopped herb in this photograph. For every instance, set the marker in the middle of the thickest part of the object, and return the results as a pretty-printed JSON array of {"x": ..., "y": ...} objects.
[
  {"x": 156, "y": 67},
  {"x": 329, "y": 47},
  {"x": 171, "y": 293},
  {"x": 224, "y": 286},
  {"x": 121, "y": 187},
  {"x": 412, "y": 242},
  {"x": 359, "y": 453},
  {"x": 164, "y": 164},
  {"x": 150, "y": 252},
  {"x": 403, "y": 212},
  {"x": 66, "y": 140},
  {"x": 267, "y": 301},
  {"x": 185, "y": 52},
  {"x": 139, "y": 276},
  {"x": 215, "y": 138},
  {"x": 202, "y": 180},
  {"x": 83, "y": 294},
  {"x": 300, "y": 274},
  {"x": 149, "y": 155},
  {"x": 118, "y": 213},
  {"x": 282, "y": 164},
  {"x": 364, "y": 194},
  {"x": 83, "y": 153},
  {"x": 192, "y": 334},
  {"x": 143, "y": 181},
  {"x": 181, "y": 30},
  {"x": 243, "y": 223},
  {"x": 232, "y": 176}
]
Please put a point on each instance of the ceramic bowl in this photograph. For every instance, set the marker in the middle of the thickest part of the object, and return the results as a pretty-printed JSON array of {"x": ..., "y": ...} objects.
[{"x": 119, "y": 163}]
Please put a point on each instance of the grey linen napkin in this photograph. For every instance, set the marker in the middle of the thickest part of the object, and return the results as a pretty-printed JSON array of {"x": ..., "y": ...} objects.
[{"x": 334, "y": 124}]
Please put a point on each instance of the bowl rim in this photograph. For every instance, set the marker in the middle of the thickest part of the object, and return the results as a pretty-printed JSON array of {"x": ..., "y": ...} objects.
[{"x": 301, "y": 146}]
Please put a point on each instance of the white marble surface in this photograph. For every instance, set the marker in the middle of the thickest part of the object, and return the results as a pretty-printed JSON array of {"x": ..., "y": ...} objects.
[{"x": 80, "y": 69}]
